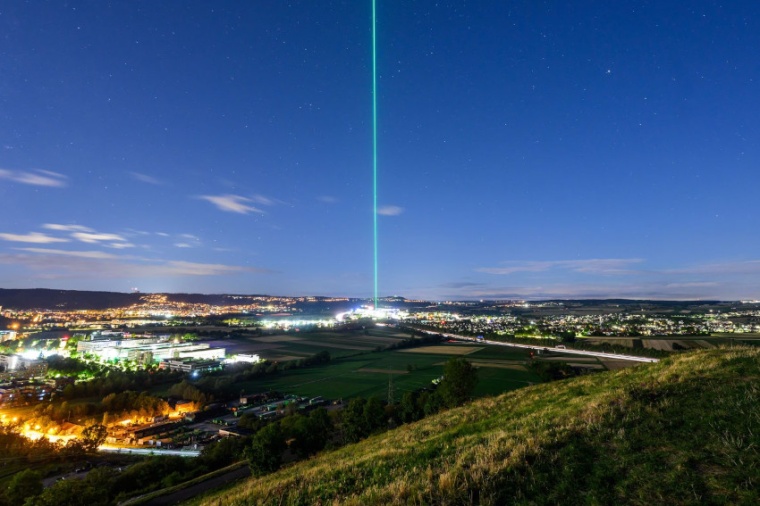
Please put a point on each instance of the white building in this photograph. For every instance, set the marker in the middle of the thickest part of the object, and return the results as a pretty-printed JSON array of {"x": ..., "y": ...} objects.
[{"x": 148, "y": 350}]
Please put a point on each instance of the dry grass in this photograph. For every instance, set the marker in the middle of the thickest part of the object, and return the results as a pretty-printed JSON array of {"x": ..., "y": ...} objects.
[
  {"x": 614, "y": 365},
  {"x": 683, "y": 431},
  {"x": 497, "y": 365}
]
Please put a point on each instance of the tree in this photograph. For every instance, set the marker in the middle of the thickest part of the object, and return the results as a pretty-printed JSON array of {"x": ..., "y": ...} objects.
[
  {"x": 23, "y": 485},
  {"x": 458, "y": 383},
  {"x": 409, "y": 411},
  {"x": 431, "y": 403},
  {"x": 265, "y": 453},
  {"x": 311, "y": 433},
  {"x": 72, "y": 493},
  {"x": 374, "y": 415},
  {"x": 94, "y": 436},
  {"x": 353, "y": 421},
  {"x": 224, "y": 452}
]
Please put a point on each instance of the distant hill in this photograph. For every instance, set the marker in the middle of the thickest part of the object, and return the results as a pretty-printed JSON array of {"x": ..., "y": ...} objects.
[
  {"x": 43, "y": 298},
  {"x": 683, "y": 431}
]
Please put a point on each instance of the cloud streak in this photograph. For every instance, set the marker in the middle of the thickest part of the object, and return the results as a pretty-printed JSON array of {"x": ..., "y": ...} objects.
[
  {"x": 76, "y": 232},
  {"x": 590, "y": 266},
  {"x": 720, "y": 268},
  {"x": 651, "y": 290},
  {"x": 94, "y": 237},
  {"x": 232, "y": 203},
  {"x": 144, "y": 178},
  {"x": 35, "y": 178},
  {"x": 32, "y": 237},
  {"x": 69, "y": 253},
  {"x": 390, "y": 210},
  {"x": 66, "y": 228},
  {"x": 58, "y": 263}
]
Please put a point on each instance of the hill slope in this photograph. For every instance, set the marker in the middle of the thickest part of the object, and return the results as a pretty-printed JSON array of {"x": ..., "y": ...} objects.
[{"x": 683, "y": 431}]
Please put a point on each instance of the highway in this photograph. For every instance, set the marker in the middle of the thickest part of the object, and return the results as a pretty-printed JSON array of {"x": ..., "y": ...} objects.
[
  {"x": 149, "y": 451},
  {"x": 615, "y": 356}
]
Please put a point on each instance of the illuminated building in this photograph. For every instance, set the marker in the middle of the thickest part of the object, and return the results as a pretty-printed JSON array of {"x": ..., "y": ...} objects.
[
  {"x": 191, "y": 365},
  {"x": 21, "y": 366},
  {"x": 148, "y": 350},
  {"x": 7, "y": 335}
]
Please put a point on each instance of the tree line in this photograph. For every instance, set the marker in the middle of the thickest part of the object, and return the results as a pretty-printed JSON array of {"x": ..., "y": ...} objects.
[{"x": 298, "y": 436}]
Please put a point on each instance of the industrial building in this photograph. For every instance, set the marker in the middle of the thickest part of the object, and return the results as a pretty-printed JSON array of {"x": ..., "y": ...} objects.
[{"x": 148, "y": 350}]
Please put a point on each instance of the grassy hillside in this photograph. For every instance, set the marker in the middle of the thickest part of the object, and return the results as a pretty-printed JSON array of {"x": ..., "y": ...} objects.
[{"x": 683, "y": 431}]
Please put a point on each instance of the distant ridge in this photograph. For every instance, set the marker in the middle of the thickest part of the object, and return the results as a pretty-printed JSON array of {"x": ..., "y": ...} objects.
[
  {"x": 683, "y": 431},
  {"x": 46, "y": 298}
]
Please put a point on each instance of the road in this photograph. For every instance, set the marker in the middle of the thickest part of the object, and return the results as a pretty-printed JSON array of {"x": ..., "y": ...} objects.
[
  {"x": 600, "y": 354},
  {"x": 200, "y": 488},
  {"x": 150, "y": 451}
]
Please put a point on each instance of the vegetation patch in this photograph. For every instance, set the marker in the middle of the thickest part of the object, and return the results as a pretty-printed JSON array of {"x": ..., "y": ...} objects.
[
  {"x": 382, "y": 371},
  {"x": 497, "y": 365},
  {"x": 277, "y": 339},
  {"x": 682, "y": 431},
  {"x": 331, "y": 344},
  {"x": 444, "y": 350}
]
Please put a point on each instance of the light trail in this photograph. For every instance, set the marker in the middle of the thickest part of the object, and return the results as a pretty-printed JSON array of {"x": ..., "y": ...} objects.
[
  {"x": 374, "y": 141},
  {"x": 601, "y": 354},
  {"x": 157, "y": 452}
]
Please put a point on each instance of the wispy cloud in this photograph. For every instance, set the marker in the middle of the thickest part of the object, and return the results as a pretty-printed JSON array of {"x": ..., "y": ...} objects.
[
  {"x": 232, "y": 203},
  {"x": 264, "y": 201},
  {"x": 390, "y": 210},
  {"x": 589, "y": 266},
  {"x": 695, "y": 284},
  {"x": 67, "y": 228},
  {"x": 188, "y": 241},
  {"x": 94, "y": 237},
  {"x": 36, "y": 177},
  {"x": 102, "y": 255},
  {"x": 64, "y": 263},
  {"x": 32, "y": 237},
  {"x": 178, "y": 268},
  {"x": 463, "y": 284},
  {"x": 144, "y": 178},
  {"x": 720, "y": 268},
  {"x": 327, "y": 199},
  {"x": 654, "y": 291},
  {"x": 120, "y": 245}
]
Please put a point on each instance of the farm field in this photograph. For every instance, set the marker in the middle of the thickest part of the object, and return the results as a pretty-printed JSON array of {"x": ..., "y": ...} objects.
[
  {"x": 368, "y": 373},
  {"x": 294, "y": 345},
  {"x": 685, "y": 342},
  {"x": 362, "y": 367}
]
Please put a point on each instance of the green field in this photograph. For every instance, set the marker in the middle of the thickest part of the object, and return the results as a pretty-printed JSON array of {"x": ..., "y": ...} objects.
[
  {"x": 363, "y": 371},
  {"x": 362, "y": 366},
  {"x": 293, "y": 345}
]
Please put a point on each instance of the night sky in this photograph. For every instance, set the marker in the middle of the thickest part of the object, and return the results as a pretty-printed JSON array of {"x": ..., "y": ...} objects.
[{"x": 526, "y": 149}]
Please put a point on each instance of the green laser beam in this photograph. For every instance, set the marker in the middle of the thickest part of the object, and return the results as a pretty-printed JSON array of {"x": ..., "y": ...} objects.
[{"x": 374, "y": 139}]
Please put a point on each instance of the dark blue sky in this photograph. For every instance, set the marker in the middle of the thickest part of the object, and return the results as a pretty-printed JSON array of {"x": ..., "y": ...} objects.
[{"x": 526, "y": 149}]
